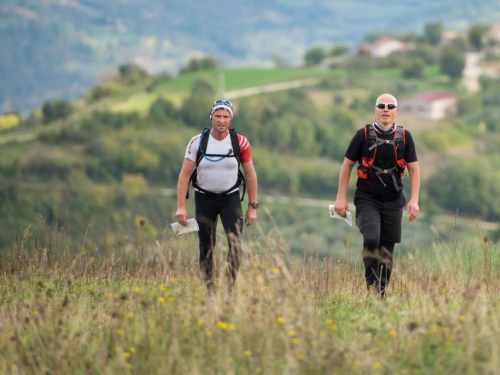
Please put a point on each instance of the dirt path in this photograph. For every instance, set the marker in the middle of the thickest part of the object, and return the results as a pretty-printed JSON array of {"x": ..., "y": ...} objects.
[{"x": 272, "y": 87}]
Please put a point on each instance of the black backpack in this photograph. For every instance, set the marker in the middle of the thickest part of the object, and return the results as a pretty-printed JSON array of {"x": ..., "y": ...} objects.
[
  {"x": 367, "y": 168},
  {"x": 234, "y": 153}
]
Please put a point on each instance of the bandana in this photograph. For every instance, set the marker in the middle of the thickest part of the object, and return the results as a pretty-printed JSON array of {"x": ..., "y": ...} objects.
[
  {"x": 381, "y": 130},
  {"x": 218, "y": 107}
]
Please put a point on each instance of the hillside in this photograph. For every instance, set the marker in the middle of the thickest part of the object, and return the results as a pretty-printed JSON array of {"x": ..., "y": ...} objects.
[
  {"x": 100, "y": 166},
  {"x": 60, "y": 48}
]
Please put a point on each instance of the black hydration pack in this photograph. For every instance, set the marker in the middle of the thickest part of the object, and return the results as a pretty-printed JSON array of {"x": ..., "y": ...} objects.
[
  {"x": 234, "y": 153},
  {"x": 366, "y": 168}
]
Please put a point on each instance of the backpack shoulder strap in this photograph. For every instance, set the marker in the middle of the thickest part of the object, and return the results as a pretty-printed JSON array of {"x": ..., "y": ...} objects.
[
  {"x": 235, "y": 143},
  {"x": 400, "y": 142},
  {"x": 205, "y": 135},
  {"x": 368, "y": 129}
]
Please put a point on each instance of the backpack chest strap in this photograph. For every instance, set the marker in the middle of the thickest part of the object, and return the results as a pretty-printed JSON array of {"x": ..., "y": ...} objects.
[{"x": 380, "y": 142}]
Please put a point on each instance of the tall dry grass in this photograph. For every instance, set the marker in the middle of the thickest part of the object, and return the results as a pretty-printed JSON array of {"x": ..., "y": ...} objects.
[{"x": 142, "y": 309}]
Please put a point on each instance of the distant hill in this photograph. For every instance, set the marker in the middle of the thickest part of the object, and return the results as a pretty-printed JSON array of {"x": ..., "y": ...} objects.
[{"x": 59, "y": 48}]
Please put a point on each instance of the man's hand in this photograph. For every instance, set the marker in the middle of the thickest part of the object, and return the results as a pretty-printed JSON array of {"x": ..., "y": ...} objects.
[
  {"x": 250, "y": 216},
  {"x": 181, "y": 216},
  {"x": 412, "y": 209},
  {"x": 341, "y": 206}
]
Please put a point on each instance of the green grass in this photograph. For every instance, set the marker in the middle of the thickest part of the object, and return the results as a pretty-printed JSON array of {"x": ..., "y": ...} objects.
[
  {"x": 138, "y": 102},
  {"x": 236, "y": 79},
  {"x": 143, "y": 309}
]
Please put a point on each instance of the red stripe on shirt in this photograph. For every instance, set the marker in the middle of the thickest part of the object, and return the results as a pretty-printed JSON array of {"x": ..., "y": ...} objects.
[{"x": 246, "y": 150}]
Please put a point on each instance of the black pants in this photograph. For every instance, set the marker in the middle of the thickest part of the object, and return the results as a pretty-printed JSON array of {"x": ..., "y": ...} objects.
[
  {"x": 380, "y": 224},
  {"x": 228, "y": 207}
]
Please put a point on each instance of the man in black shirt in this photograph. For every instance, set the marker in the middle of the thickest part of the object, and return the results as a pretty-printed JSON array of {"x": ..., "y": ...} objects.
[{"x": 383, "y": 150}]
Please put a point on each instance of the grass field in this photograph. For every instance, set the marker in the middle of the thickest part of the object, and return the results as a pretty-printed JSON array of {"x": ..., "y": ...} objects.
[
  {"x": 235, "y": 79},
  {"x": 143, "y": 310}
]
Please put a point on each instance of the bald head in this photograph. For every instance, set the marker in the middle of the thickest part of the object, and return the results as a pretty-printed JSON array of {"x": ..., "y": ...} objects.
[{"x": 387, "y": 99}]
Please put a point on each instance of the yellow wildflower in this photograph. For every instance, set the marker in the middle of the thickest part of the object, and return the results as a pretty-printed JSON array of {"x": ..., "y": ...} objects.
[
  {"x": 376, "y": 365},
  {"x": 281, "y": 320},
  {"x": 161, "y": 299},
  {"x": 222, "y": 325},
  {"x": 275, "y": 270},
  {"x": 394, "y": 333},
  {"x": 247, "y": 353}
]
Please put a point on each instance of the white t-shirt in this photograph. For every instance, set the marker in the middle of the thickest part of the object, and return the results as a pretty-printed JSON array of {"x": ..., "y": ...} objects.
[{"x": 220, "y": 174}]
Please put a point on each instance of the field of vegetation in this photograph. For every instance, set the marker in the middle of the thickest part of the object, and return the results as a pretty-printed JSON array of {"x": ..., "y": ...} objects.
[
  {"x": 93, "y": 281},
  {"x": 143, "y": 309}
]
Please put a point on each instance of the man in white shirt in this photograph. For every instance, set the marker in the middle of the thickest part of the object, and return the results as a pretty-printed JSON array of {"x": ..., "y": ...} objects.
[{"x": 216, "y": 183}]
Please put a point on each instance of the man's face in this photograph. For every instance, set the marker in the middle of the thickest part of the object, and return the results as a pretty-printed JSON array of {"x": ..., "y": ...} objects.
[
  {"x": 221, "y": 120},
  {"x": 385, "y": 116}
]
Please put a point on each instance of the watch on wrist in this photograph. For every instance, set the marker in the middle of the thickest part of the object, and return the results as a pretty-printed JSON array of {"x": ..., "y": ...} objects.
[{"x": 253, "y": 204}]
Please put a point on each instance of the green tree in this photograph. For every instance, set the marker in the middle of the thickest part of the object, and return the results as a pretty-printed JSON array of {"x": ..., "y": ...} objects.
[
  {"x": 56, "y": 110},
  {"x": 433, "y": 32},
  {"x": 197, "y": 64},
  {"x": 339, "y": 49},
  {"x": 314, "y": 56},
  {"x": 131, "y": 73},
  {"x": 162, "y": 109},
  {"x": 475, "y": 34},
  {"x": 195, "y": 110},
  {"x": 452, "y": 61},
  {"x": 412, "y": 68}
]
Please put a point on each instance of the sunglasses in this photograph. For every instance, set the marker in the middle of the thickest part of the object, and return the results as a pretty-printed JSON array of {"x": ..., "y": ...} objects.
[
  {"x": 383, "y": 105},
  {"x": 225, "y": 102}
]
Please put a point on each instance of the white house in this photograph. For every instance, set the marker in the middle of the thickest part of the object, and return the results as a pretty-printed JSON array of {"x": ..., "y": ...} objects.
[
  {"x": 491, "y": 38},
  {"x": 430, "y": 105},
  {"x": 384, "y": 47}
]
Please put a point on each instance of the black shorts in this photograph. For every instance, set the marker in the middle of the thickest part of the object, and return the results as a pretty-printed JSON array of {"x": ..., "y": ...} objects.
[{"x": 388, "y": 215}]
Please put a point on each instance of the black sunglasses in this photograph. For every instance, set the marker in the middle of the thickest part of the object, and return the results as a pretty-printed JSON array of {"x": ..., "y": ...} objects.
[{"x": 383, "y": 105}]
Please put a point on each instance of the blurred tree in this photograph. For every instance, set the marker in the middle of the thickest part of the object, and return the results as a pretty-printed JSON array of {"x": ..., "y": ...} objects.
[
  {"x": 314, "y": 56},
  {"x": 475, "y": 34},
  {"x": 56, "y": 110},
  {"x": 109, "y": 88},
  {"x": 9, "y": 120},
  {"x": 339, "y": 49},
  {"x": 196, "y": 109},
  {"x": 131, "y": 73},
  {"x": 433, "y": 32},
  {"x": 412, "y": 68},
  {"x": 162, "y": 109},
  {"x": 452, "y": 61},
  {"x": 158, "y": 81},
  {"x": 197, "y": 64}
]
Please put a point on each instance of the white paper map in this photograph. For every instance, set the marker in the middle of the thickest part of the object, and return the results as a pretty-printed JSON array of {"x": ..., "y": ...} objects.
[
  {"x": 334, "y": 215},
  {"x": 192, "y": 226}
]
